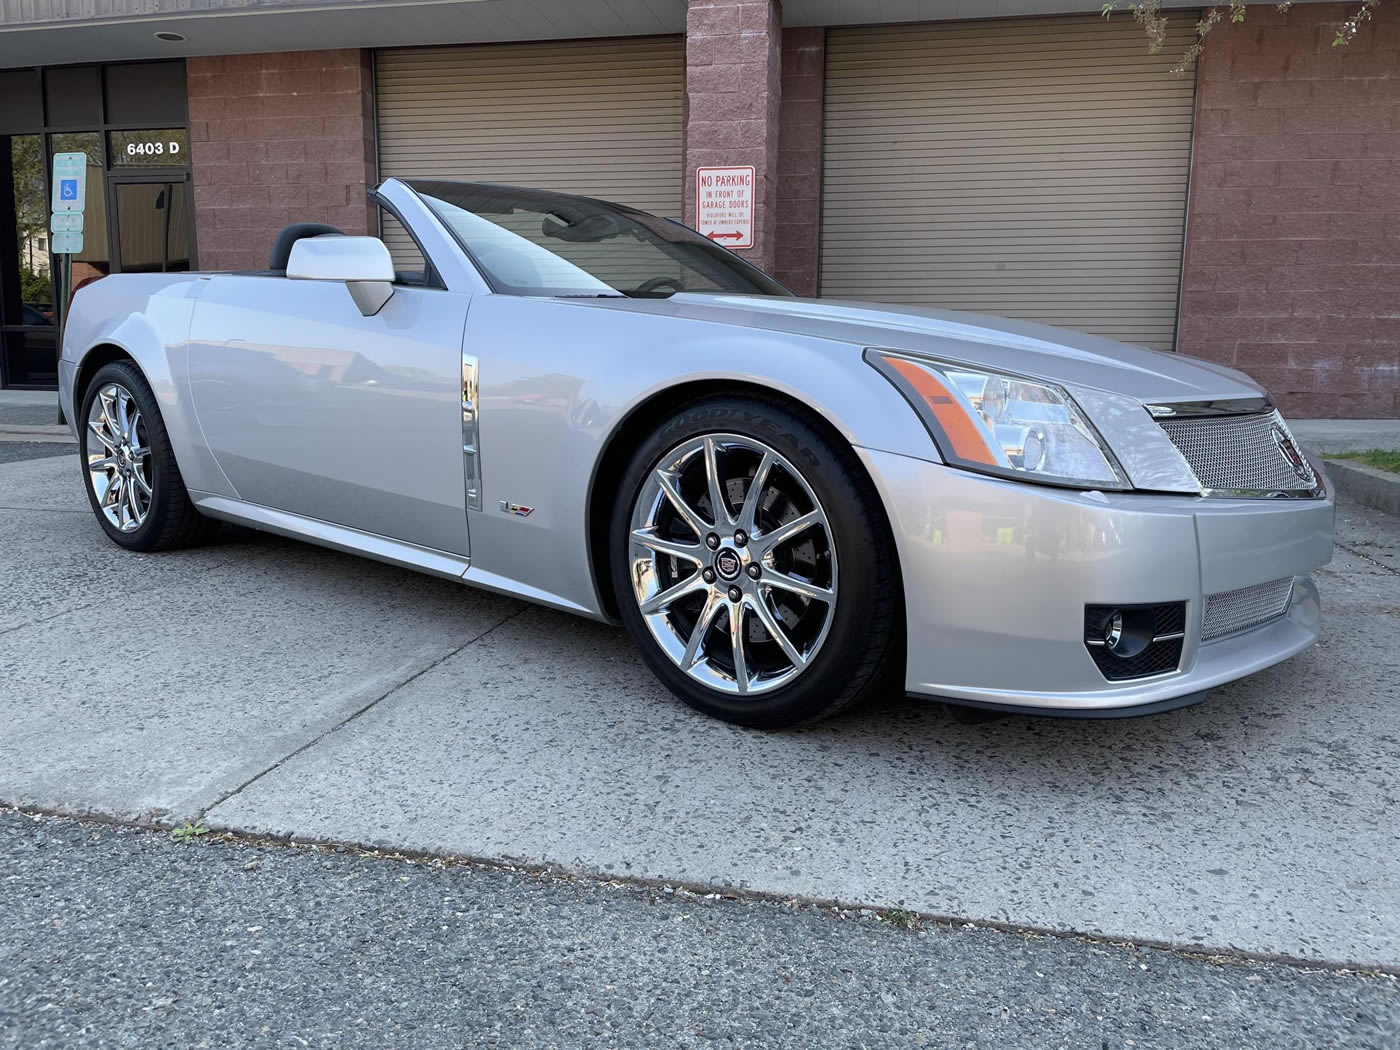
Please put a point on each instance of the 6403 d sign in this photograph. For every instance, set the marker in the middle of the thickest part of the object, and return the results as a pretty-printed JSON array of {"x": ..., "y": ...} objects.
[
  {"x": 159, "y": 148},
  {"x": 153, "y": 149}
]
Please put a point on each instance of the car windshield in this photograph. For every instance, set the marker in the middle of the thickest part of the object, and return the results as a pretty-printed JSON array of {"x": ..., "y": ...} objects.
[{"x": 533, "y": 242}]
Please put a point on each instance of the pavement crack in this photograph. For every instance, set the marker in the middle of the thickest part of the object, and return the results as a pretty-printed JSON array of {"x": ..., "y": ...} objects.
[
  {"x": 1366, "y": 557},
  {"x": 368, "y": 706},
  {"x": 43, "y": 619}
]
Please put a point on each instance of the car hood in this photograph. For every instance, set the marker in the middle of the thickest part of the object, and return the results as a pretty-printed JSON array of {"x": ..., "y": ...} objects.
[{"x": 1070, "y": 358}]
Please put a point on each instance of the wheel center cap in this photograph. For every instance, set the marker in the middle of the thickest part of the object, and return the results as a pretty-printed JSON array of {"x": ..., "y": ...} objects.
[{"x": 728, "y": 565}]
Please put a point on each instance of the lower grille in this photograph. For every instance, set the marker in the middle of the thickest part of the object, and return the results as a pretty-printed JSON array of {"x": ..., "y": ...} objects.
[
  {"x": 1241, "y": 454},
  {"x": 1230, "y": 612}
]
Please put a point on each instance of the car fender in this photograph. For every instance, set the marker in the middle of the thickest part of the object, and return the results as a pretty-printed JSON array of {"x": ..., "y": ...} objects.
[
  {"x": 147, "y": 317},
  {"x": 558, "y": 382}
]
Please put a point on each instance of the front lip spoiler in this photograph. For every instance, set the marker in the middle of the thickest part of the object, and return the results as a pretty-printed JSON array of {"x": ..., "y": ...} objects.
[{"x": 1156, "y": 707}]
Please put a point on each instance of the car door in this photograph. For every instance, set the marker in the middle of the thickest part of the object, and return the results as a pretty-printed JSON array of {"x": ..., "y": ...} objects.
[{"x": 310, "y": 407}]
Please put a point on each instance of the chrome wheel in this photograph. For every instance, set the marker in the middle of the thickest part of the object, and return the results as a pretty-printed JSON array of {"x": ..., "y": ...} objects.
[
  {"x": 733, "y": 563},
  {"x": 119, "y": 457}
]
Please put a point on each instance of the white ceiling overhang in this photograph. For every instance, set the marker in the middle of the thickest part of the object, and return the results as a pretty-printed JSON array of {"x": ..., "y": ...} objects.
[{"x": 58, "y": 32}]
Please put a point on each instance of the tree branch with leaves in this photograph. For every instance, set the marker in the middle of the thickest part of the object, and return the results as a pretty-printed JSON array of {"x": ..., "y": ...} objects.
[{"x": 1149, "y": 15}]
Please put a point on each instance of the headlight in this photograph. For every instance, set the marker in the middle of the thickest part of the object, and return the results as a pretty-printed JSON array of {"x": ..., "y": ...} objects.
[{"x": 1003, "y": 424}]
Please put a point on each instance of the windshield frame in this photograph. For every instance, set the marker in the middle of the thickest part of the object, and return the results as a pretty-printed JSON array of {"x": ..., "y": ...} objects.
[{"x": 766, "y": 284}]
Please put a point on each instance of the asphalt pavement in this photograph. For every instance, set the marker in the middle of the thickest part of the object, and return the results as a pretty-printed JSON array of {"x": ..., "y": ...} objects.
[
  {"x": 114, "y": 937},
  {"x": 15, "y": 451},
  {"x": 276, "y": 688}
]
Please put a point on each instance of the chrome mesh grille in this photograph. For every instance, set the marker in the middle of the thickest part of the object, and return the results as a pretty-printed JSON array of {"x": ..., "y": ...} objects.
[
  {"x": 1231, "y": 611},
  {"x": 1238, "y": 453}
]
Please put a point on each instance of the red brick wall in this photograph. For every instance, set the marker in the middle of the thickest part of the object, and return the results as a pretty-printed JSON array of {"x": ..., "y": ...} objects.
[
  {"x": 276, "y": 139},
  {"x": 733, "y": 64},
  {"x": 1293, "y": 240},
  {"x": 800, "y": 159}
]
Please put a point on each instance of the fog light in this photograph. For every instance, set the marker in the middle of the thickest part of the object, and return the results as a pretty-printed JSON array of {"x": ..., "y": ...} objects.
[
  {"x": 1135, "y": 641},
  {"x": 1127, "y": 632}
]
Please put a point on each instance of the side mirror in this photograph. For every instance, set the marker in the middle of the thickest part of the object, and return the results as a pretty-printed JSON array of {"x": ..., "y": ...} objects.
[{"x": 363, "y": 264}]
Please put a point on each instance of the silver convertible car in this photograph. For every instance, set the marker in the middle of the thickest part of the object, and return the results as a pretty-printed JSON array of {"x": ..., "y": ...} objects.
[{"x": 791, "y": 504}]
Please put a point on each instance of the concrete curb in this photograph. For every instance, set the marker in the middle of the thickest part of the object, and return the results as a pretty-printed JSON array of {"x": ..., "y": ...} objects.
[
  {"x": 36, "y": 432},
  {"x": 1369, "y": 486}
]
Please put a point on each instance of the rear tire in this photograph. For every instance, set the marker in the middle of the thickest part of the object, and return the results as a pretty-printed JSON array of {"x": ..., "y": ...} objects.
[
  {"x": 132, "y": 480},
  {"x": 809, "y": 556}
]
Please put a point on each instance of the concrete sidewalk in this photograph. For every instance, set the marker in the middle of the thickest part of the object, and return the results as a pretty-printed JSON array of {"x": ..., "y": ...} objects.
[
  {"x": 1367, "y": 486},
  {"x": 276, "y": 687},
  {"x": 28, "y": 408},
  {"x": 10, "y": 398},
  {"x": 1328, "y": 436},
  {"x": 31, "y": 432}
]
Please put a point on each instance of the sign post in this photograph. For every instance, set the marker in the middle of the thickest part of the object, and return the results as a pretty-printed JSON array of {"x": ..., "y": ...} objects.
[
  {"x": 724, "y": 205},
  {"x": 66, "y": 226}
]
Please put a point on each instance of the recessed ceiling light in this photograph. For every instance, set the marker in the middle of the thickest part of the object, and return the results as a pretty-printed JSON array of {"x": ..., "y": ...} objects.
[{"x": 174, "y": 38}]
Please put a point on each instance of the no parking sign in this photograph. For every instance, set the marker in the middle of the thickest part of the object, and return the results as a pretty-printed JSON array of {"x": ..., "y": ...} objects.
[{"x": 724, "y": 205}]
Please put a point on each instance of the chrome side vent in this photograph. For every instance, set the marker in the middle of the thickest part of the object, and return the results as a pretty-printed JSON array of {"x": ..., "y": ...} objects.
[{"x": 471, "y": 455}]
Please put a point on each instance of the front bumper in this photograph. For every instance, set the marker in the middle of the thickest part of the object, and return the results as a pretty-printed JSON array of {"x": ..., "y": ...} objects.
[
  {"x": 67, "y": 374},
  {"x": 997, "y": 575}
]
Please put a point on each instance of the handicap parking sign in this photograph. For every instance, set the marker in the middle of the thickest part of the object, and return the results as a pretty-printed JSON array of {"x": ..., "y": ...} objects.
[{"x": 69, "y": 181}]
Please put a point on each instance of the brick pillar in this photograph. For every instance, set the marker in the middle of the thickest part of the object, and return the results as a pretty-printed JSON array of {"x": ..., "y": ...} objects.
[
  {"x": 1292, "y": 268},
  {"x": 733, "y": 64},
  {"x": 276, "y": 139},
  {"x": 800, "y": 159}
]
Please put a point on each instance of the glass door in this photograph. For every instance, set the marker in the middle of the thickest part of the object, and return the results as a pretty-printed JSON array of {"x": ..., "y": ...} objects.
[
  {"x": 129, "y": 118},
  {"x": 153, "y": 229}
]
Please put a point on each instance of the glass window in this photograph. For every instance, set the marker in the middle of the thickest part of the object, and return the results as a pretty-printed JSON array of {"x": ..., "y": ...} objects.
[
  {"x": 532, "y": 242},
  {"x": 28, "y": 339},
  {"x": 409, "y": 264},
  {"x": 21, "y": 105},
  {"x": 150, "y": 93},
  {"x": 73, "y": 97},
  {"x": 89, "y": 142},
  {"x": 25, "y": 187}
]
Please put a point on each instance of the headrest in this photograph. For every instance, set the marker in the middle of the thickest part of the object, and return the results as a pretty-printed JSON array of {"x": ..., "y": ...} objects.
[{"x": 282, "y": 246}]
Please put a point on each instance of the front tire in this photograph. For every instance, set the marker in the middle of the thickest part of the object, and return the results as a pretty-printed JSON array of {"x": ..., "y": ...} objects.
[
  {"x": 753, "y": 565},
  {"x": 133, "y": 483}
]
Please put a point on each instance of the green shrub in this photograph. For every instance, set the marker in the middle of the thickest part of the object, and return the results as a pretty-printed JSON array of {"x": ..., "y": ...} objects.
[{"x": 35, "y": 287}]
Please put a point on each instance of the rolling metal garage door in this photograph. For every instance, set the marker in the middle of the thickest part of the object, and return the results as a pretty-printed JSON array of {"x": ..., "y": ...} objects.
[
  {"x": 1034, "y": 168},
  {"x": 603, "y": 118}
]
